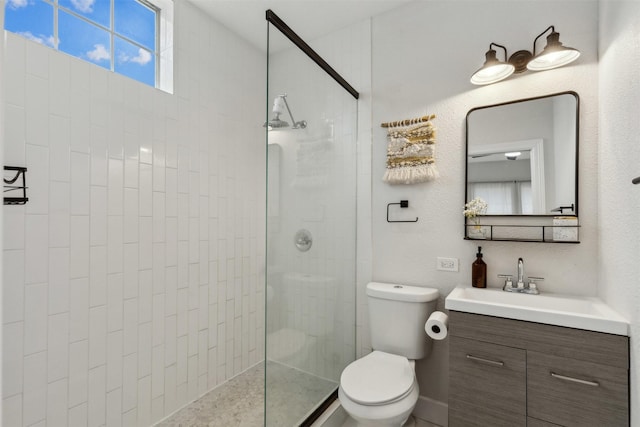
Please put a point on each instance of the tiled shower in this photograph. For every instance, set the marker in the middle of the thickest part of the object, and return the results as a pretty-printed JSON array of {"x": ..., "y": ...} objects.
[{"x": 133, "y": 277}]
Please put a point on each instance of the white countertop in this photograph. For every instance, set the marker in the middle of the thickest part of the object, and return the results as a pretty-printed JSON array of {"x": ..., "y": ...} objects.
[{"x": 588, "y": 313}]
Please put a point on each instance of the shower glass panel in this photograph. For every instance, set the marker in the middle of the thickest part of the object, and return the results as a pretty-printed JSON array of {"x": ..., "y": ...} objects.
[{"x": 311, "y": 234}]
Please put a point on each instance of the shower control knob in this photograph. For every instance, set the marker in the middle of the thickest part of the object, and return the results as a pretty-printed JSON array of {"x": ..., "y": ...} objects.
[{"x": 303, "y": 240}]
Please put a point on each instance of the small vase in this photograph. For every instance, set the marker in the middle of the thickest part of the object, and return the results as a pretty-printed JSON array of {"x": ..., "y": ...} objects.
[{"x": 477, "y": 232}]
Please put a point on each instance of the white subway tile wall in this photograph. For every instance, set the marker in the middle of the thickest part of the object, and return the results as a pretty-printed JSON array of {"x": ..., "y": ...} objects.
[{"x": 133, "y": 278}]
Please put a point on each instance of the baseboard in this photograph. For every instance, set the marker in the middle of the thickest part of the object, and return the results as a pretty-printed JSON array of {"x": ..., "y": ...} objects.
[{"x": 431, "y": 410}]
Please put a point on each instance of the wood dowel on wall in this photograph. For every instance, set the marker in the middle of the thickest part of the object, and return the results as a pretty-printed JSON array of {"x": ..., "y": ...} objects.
[{"x": 408, "y": 122}]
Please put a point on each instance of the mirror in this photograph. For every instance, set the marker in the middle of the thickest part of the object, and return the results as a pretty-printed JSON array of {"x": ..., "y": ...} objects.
[{"x": 522, "y": 156}]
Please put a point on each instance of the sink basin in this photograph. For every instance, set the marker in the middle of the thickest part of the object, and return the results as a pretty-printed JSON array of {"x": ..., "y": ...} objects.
[{"x": 561, "y": 310}]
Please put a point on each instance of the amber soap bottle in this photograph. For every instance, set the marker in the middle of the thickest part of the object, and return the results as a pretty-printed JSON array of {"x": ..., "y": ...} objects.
[{"x": 479, "y": 271}]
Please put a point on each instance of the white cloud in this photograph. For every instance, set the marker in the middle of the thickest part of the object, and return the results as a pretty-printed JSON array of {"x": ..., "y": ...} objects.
[
  {"x": 17, "y": 4},
  {"x": 99, "y": 53},
  {"x": 143, "y": 57},
  {"x": 42, "y": 39},
  {"x": 84, "y": 6}
]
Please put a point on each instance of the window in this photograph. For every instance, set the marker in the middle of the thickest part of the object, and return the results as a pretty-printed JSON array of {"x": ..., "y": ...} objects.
[
  {"x": 504, "y": 198},
  {"x": 123, "y": 36}
]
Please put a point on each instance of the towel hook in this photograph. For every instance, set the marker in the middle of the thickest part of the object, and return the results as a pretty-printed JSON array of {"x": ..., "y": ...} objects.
[{"x": 561, "y": 209}]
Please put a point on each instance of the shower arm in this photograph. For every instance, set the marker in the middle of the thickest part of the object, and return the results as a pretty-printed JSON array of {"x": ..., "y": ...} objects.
[{"x": 295, "y": 124}]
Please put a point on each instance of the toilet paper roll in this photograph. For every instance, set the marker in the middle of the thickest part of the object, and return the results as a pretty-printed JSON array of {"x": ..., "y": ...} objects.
[{"x": 436, "y": 326}]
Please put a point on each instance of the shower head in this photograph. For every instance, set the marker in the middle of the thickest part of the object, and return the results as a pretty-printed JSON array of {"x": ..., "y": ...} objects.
[
  {"x": 276, "y": 122},
  {"x": 279, "y": 104}
]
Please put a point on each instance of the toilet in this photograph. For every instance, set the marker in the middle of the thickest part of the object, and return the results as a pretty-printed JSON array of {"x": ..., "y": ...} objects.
[{"x": 381, "y": 389}]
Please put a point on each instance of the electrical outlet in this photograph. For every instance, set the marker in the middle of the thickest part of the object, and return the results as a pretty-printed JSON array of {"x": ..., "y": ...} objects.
[{"x": 447, "y": 264}]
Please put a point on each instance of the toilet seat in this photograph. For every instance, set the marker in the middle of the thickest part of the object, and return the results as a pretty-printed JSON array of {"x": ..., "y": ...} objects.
[{"x": 379, "y": 378}]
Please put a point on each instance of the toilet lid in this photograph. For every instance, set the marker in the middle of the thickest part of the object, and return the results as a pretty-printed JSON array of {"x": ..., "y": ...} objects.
[{"x": 377, "y": 378}]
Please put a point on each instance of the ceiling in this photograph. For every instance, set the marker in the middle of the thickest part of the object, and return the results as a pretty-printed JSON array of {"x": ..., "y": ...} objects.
[{"x": 308, "y": 18}]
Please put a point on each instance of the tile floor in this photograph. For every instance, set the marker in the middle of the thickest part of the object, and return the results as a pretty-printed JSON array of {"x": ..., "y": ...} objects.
[
  {"x": 419, "y": 423},
  {"x": 240, "y": 401}
]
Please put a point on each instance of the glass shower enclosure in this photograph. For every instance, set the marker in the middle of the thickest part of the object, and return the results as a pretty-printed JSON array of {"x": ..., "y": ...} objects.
[{"x": 310, "y": 324}]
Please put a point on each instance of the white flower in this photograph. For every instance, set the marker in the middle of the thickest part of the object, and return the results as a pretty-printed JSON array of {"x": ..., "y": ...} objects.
[{"x": 474, "y": 208}]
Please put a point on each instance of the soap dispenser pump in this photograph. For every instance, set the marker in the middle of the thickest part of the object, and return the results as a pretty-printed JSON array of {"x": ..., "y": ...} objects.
[{"x": 479, "y": 271}]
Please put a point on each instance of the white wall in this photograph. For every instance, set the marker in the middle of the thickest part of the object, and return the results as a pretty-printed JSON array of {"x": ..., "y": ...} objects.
[
  {"x": 619, "y": 162},
  {"x": 423, "y": 56},
  {"x": 135, "y": 272}
]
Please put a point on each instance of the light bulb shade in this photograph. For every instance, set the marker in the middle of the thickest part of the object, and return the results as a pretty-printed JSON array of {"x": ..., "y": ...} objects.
[
  {"x": 492, "y": 71},
  {"x": 553, "y": 55},
  {"x": 513, "y": 155}
]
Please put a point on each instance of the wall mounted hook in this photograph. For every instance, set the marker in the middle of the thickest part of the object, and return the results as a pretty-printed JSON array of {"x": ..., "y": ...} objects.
[
  {"x": 403, "y": 204},
  {"x": 561, "y": 209}
]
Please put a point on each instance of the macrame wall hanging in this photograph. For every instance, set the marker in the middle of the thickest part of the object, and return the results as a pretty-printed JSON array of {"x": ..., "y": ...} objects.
[{"x": 411, "y": 151}]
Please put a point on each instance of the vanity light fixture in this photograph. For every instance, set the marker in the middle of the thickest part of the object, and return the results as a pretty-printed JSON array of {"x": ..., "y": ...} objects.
[{"x": 553, "y": 55}]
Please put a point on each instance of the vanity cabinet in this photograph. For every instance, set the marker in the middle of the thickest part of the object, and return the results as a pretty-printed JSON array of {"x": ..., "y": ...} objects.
[{"x": 507, "y": 372}]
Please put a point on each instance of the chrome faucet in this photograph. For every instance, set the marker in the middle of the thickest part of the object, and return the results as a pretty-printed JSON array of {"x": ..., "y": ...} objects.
[
  {"x": 520, "y": 272},
  {"x": 521, "y": 286}
]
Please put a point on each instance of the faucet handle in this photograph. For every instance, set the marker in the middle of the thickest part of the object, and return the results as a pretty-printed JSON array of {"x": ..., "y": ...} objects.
[
  {"x": 532, "y": 282},
  {"x": 508, "y": 281}
]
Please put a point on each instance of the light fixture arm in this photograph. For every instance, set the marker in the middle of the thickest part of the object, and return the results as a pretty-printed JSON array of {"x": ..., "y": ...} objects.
[
  {"x": 503, "y": 48},
  {"x": 553, "y": 30}
]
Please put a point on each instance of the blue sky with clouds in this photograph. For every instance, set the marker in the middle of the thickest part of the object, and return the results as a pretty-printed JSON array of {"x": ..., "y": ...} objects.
[{"x": 34, "y": 20}]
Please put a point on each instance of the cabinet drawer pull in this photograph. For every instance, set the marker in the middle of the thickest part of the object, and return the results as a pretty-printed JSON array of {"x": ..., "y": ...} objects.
[
  {"x": 575, "y": 380},
  {"x": 485, "y": 361}
]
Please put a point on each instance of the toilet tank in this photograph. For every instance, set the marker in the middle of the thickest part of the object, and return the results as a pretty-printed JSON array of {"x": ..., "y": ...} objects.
[{"x": 397, "y": 314}]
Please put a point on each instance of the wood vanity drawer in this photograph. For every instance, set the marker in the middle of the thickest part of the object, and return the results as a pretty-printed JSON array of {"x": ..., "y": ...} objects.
[
  {"x": 596, "y": 347},
  {"x": 487, "y": 384},
  {"x": 572, "y": 392}
]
